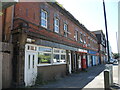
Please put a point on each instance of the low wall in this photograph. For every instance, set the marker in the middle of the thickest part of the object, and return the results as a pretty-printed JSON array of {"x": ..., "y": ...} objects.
[{"x": 53, "y": 72}]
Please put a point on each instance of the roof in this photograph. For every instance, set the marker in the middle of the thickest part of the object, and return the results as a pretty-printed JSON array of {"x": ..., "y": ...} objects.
[{"x": 98, "y": 32}]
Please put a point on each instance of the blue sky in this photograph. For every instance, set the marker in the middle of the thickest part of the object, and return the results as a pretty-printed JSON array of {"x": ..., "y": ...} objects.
[{"x": 90, "y": 13}]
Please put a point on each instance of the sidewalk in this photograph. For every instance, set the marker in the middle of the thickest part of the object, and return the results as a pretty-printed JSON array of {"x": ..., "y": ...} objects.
[{"x": 98, "y": 82}]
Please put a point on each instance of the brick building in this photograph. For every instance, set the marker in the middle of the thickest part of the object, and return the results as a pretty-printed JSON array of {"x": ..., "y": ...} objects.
[
  {"x": 48, "y": 42},
  {"x": 102, "y": 45}
]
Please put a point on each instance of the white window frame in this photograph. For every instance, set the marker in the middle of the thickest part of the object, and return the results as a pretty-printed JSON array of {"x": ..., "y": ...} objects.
[
  {"x": 65, "y": 29},
  {"x": 84, "y": 39},
  {"x": 40, "y": 64},
  {"x": 76, "y": 35},
  {"x": 81, "y": 40},
  {"x": 44, "y": 19},
  {"x": 59, "y": 55},
  {"x": 55, "y": 25}
]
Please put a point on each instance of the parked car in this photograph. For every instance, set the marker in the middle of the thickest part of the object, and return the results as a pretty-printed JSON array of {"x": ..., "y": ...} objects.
[
  {"x": 115, "y": 60},
  {"x": 112, "y": 61}
]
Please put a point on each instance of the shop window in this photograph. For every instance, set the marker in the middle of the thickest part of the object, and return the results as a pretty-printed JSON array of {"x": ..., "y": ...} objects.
[
  {"x": 63, "y": 59},
  {"x": 44, "y": 55},
  {"x": 56, "y": 58},
  {"x": 59, "y": 56}
]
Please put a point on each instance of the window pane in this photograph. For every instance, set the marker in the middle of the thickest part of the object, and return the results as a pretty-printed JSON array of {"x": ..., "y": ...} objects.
[
  {"x": 45, "y": 15},
  {"x": 43, "y": 18},
  {"x": 44, "y": 58},
  {"x": 28, "y": 61},
  {"x": 63, "y": 58},
  {"x": 56, "y": 58},
  {"x": 65, "y": 27},
  {"x": 43, "y": 49},
  {"x": 63, "y": 51},
  {"x": 56, "y": 51},
  {"x": 33, "y": 60},
  {"x": 56, "y": 25}
]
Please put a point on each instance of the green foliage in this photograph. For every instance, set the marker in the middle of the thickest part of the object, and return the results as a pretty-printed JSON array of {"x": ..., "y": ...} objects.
[
  {"x": 44, "y": 58},
  {"x": 116, "y": 55}
]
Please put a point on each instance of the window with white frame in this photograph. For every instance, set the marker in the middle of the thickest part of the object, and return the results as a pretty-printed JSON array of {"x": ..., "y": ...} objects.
[
  {"x": 81, "y": 37},
  {"x": 88, "y": 41},
  {"x": 43, "y": 18},
  {"x": 84, "y": 38},
  {"x": 56, "y": 25},
  {"x": 65, "y": 30},
  {"x": 44, "y": 55},
  {"x": 76, "y": 35},
  {"x": 59, "y": 56}
]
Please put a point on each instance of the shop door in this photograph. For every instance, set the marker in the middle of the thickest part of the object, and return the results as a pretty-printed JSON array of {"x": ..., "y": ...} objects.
[
  {"x": 30, "y": 68},
  {"x": 70, "y": 63}
]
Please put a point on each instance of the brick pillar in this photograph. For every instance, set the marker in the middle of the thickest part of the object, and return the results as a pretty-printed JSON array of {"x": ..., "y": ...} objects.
[{"x": 19, "y": 40}]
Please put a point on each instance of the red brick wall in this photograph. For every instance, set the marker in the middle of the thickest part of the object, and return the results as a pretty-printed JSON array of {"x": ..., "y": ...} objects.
[{"x": 34, "y": 8}]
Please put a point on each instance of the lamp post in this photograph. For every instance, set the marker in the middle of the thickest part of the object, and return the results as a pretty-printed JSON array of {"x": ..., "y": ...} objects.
[
  {"x": 106, "y": 31},
  {"x": 118, "y": 42}
]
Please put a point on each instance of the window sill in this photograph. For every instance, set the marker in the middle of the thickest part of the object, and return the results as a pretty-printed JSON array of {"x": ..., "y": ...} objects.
[
  {"x": 50, "y": 64},
  {"x": 45, "y": 27}
]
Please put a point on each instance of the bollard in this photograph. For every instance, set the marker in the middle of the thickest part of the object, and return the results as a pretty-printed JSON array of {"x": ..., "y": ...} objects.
[
  {"x": 110, "y": 68},
  {"x": 107, "y": 79}
]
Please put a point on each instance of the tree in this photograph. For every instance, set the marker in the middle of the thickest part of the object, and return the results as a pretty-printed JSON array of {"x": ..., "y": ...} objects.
[{"x": 116, "y": 55}]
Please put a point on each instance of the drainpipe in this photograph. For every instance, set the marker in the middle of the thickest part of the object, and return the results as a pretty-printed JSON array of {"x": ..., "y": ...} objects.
[{"x": 13, "y": 9}]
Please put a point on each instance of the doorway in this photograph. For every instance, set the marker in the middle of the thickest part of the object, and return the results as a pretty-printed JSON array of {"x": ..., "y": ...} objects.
[{"x": 30, "y": 67}]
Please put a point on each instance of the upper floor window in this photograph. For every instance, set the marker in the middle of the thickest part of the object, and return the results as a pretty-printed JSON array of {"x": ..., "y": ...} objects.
[
  {"x": 43, "y": 18},
  {"x": 56, "y": 25},
  {"x": 84, "y": 38},
  {"x": 65, "y": 30},
  {"x": 76, "y": 35},
  {"x": 88, "y": 41},
  {"x": 81, "y": 37}
]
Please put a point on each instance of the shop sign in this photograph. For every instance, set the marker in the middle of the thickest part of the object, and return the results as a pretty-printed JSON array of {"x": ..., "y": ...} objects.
[{"x": 82, "y": 50}]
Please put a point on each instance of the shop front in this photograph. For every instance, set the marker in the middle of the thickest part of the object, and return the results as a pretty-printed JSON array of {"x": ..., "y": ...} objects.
[
  {"x": 48, "y": 61},
  {"x": 82, "y": 60},
  {"x": 92, "y": 58}
]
